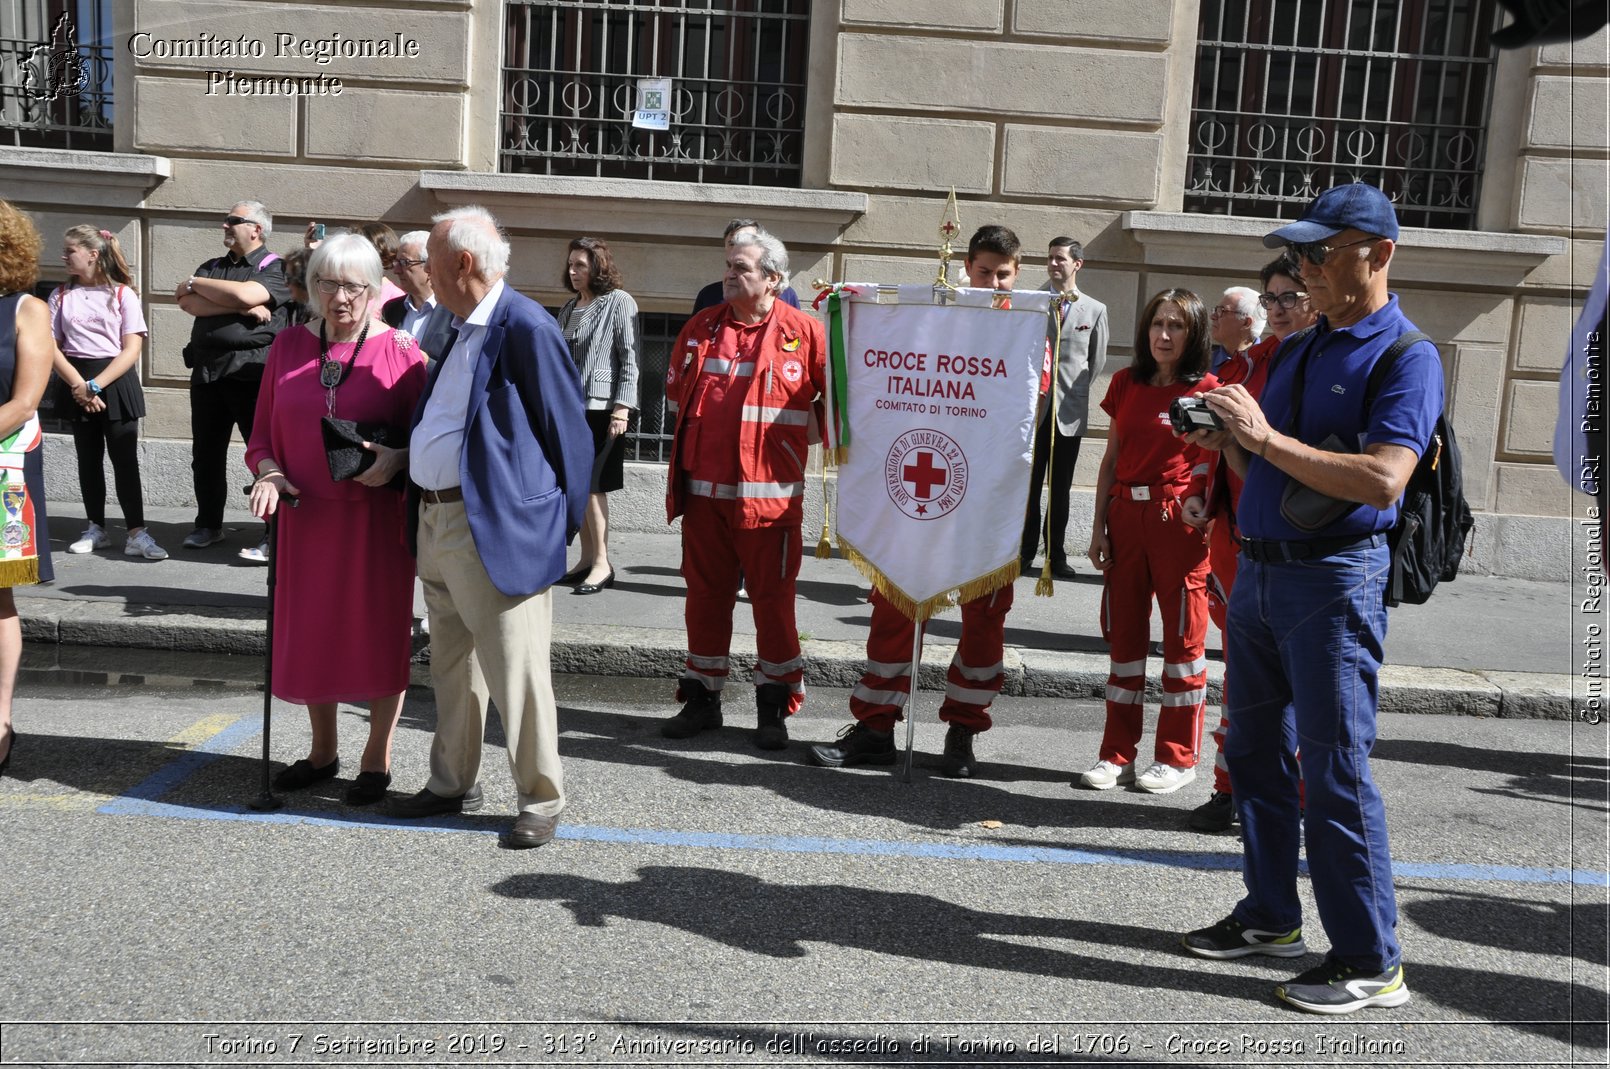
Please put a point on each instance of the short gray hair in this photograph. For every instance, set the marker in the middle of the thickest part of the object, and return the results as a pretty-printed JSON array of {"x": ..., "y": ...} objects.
[
  {"x": 414, "y": 239},
  {"x": 1246, "y": 304},
  {"x": 472, "y": 229},
  {"x": 773, "y": 256},
  {"x": 339, "y": 255},
  {"x": 257, "y": 213}
]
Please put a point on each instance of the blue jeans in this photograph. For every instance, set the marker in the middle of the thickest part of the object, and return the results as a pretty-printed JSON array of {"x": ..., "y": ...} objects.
[{"x": 1304, "y": 644}]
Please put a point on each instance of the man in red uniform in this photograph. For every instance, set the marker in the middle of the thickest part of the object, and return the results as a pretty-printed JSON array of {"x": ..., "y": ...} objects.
[
  {"x": 744, "y": 381},
  {"x": 976, "y": 671}
]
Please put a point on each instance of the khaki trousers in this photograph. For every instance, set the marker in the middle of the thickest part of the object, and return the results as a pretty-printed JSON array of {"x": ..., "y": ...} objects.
[{"x": 486, "y": 644}]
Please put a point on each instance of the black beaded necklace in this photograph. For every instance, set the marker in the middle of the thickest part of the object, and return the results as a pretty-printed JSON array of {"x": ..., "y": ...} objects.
[{"x": 332, "y": 372}]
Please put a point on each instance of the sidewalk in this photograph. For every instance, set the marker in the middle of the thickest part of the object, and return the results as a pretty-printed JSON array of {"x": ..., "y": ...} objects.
[{"x": 1482, "y": 646}]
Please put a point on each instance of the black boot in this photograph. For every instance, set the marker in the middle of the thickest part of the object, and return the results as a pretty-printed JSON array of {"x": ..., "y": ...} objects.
[
  {"x": 1217, "y": 814},
  {"x": 701, "y": 711},
  {"x": 958, "y": 761},
  {"x": 856, "y": 745},
  {"x": 771, "y": 712}
]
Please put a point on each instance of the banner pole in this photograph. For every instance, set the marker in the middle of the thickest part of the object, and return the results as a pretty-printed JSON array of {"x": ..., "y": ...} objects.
[{"x": 911, "y": 699}]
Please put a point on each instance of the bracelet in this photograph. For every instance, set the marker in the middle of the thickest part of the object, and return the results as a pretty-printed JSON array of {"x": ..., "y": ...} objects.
[
  {"x": 1263, "y": 446},
  {"x": 268, "y": 475},
  {"x": 190, "y": 284}
]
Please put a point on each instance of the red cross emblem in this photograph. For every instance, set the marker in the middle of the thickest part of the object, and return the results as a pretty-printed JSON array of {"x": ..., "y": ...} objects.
[{"x": 926, "y": 473}]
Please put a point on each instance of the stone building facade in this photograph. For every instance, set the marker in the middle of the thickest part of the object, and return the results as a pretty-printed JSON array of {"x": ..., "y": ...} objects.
[{"x": 1074, "y": 117}]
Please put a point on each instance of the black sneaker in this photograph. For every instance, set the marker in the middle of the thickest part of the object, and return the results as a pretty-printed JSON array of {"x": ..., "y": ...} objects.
[
  {"x": 958, "y": 761},
  {"x": 771, "y": 716},
  {"x": 1334, "y": 988},
  {"x": 1231, "y": 939},
  {"x": 1216, "y": 814},
  {"x": 701, "y": 712},
  {"x": 857, "y": 745}
]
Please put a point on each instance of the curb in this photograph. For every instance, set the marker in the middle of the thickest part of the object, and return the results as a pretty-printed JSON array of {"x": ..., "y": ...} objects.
[{"x": 591, "y": 649}]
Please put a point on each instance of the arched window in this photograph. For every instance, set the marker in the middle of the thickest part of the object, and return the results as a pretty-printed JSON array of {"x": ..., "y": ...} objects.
[
  {"x": 737, "y": 103},
  {"x": 1295, "y": 96}
]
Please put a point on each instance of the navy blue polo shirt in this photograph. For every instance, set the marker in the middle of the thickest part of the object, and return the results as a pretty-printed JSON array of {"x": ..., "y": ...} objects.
[{"x": 1339, "y": 363}]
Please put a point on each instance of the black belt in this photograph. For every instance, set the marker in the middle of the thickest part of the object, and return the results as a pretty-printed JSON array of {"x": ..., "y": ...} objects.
[
  {"x": 442, "y": 497},
  {"x": 1265, "y": 551}
]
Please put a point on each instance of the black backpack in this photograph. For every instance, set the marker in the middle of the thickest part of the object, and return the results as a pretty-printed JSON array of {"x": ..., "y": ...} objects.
[{"x": 1434, "y": 520}]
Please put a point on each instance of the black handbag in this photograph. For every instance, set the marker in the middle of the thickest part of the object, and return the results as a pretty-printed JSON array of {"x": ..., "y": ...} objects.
[{"x": 344, "y": 451}]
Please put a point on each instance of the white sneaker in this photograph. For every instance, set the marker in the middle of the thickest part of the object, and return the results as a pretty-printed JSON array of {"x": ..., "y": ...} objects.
[
  {"x": 92, "y": 539},
  {"x": 1105, "y": 775},
  {"x": 143, "y": 545},
  {"x": 1164, "y": 779},
  {"x": 258, "y": 554}
]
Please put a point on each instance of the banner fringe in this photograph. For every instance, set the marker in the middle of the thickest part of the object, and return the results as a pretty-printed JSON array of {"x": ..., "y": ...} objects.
[
  {"x": 1042, "y": 586},
  {"x": 19, "y": 572},
  {"x": 922, "y": 611}
]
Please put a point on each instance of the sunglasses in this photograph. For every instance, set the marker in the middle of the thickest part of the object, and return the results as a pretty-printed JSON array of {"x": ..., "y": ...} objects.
[
  {"x": 236, "y": 220},
  {"x": 1288, "y": 301},
  {"x": 1317, "y": 252},
  {"x": 399, "y": 263}
]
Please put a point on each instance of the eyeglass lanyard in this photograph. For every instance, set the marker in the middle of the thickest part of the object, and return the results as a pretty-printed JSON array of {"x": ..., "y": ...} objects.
[{"x": 332, "y": 372}]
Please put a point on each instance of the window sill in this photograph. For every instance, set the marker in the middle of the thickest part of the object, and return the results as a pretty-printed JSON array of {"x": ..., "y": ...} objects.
[
  {"x": 56, "y": 176},
  {"x": 665, "y": 209},
  {"x": 1478, "y": 258}
]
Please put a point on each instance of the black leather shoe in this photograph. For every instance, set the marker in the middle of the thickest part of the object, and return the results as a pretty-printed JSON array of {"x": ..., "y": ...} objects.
[
  {"x": 1063, "y": 570},
  {"x": 1217, "y": 814},
  {"x": 303, "y": 774},
  {"x": 958, "y": 761},
  {"x": 701, "y": 712},
  {"x": 857, "y": 745},
  {"x": 530, "y": 830},
  {"x": 574, "y": 576},
  {"x": 593, "y": 588},
  {"x": 771, "y": 716},
  {"x": 429, "y": 804},
  {"x": 368, "y": 788},
  {"x": 5, "y": 764}
]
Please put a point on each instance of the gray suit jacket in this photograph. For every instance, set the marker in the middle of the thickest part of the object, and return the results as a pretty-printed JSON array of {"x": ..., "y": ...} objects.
[
  {"x": 606, "y": 351},
  {"x": 1080, "y": 359},
  {"x": 437, "y": 333}
]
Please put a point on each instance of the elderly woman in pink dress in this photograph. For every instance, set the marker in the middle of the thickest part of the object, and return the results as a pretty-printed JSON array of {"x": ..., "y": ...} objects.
[{"x": 343, "y": 604}]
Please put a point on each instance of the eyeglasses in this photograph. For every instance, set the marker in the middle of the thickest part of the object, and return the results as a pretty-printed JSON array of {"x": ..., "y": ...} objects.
[
  {"x": 402, "y": 263},
  {"x": 1288, "y": 301},
  {"x": 1317, "y": 252},
  {"x": 330, "y": 287},
  {"x": 1217, "y": 312},
  {"x": 236, "y": 220}
]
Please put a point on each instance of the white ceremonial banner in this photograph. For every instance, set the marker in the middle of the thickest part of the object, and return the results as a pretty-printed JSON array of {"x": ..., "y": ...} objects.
[{"x": 941, "y": 401}]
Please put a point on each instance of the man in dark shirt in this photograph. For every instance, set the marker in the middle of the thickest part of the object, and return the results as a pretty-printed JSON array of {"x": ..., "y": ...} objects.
[
  {"x": 712, "y": 294},
  {"x": 240, "y": 300}
]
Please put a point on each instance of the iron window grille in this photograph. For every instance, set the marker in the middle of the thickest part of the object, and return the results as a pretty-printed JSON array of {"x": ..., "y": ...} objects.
[
  {"x": 737, "y": 107},
  {"x": 56, "y": 75},
  {"x": 1295, "y": 96}
]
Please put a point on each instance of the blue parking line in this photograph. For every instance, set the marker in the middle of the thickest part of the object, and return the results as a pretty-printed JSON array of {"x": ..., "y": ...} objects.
[{"x": 144, "y": 800}]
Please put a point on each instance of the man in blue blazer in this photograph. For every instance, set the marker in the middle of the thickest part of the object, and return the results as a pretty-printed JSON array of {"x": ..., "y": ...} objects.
[{"x": 499, "y": 461}]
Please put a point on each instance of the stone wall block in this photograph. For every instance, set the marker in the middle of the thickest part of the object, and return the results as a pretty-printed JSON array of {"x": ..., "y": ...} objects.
[
  {"x": 1569, "y": 114},
  {"x": 382, "y": 124},
  {"x": 178, "y": 115},
  {"x": 1101, "y": 166},
  {"x": 1530, "y": 426},
  {"x": 164, "y": 349},
  {"x": 1148, "y": 22},
  {"x": 1533, "y": 490},
  {"x": 1545, "y": 333},
  {"x": 1560, "y": 193},
  {"x": 1473, "y": 384},
  {"x": 931, "y": 74},
  {"x": 913, "y": 153},
  {"x": 952, "y": 14}
]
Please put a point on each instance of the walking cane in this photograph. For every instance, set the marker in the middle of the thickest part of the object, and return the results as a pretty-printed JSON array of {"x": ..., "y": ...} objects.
[{"x": 268, "y": 800}]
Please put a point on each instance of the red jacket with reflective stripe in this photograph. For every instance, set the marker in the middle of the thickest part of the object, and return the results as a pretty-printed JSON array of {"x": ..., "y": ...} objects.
[{"x": 781, "y": 413}]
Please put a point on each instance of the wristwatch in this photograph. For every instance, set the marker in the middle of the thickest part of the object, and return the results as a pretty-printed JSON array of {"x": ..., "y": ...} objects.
[{"x": 94, "y": 387}]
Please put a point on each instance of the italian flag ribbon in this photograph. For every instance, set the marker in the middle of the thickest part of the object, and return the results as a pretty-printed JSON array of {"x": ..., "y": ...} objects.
[
  {"x": 836, "y": 443},
  {"x": 19, "y": 552}
]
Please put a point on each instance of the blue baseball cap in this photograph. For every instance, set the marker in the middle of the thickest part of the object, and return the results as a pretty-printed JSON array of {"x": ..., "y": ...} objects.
[{"x": 1357, "y": 205}]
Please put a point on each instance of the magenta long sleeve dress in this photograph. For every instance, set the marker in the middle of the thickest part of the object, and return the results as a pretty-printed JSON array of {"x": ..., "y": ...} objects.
[{"x": 344, "y": 580}]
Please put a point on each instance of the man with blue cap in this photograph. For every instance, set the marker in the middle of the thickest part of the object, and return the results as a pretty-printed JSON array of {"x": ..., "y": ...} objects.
[{"x": 1325, "y": 461}]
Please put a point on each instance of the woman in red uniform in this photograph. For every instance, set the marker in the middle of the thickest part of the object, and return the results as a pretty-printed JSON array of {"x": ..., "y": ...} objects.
[{"x": 1148, "y": 541}]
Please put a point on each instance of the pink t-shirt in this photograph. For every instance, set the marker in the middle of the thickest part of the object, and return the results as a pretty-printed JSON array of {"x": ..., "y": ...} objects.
[{"x": 90, "y": 321}]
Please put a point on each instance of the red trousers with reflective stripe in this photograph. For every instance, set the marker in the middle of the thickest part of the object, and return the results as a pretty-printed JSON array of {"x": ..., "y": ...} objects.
[
  {"x": 1156, "y": 554},
  {"x": 714, "y": 556},
  {"x": 974, "y": 678}
]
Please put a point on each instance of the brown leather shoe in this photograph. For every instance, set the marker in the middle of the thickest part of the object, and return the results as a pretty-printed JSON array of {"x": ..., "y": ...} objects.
[{"x": 530, "y": 830}]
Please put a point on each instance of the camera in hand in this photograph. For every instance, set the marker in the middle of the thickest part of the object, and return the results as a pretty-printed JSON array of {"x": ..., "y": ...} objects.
[{"x": 1189, "y": 414}]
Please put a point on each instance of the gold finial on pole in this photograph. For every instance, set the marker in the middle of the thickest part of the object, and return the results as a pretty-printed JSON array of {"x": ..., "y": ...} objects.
[{"x": 949, "y": 227}]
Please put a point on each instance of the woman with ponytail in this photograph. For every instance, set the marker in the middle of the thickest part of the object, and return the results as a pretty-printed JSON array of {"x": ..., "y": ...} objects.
[{"x": 100, "y": 328}]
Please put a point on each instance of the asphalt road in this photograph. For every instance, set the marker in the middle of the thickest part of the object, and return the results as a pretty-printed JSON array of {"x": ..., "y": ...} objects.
[{"x": 710, "y": 904}]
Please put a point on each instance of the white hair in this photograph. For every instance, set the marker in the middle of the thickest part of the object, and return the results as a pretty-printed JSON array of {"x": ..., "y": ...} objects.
[
  {"x": 257, "y": 213},
  {"x": 773, "y": 256},
  {"x": 414, "y": 239},
  {"x": 472, "y": 229},
  {"x": 1246, "y": 305},
  {"x": 339, "y": 255}
]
